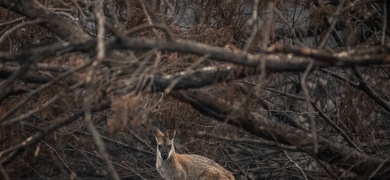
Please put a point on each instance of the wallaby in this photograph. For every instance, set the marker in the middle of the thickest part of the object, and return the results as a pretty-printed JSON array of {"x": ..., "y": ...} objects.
[{"x": 174, "y": 166}]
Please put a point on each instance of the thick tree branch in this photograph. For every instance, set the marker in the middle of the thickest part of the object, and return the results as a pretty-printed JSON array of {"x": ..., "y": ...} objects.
[
  {"x": 331, "y": 152},
  {"x": 371, "y": 55},
  {"x": 56, "y": 23},
  {"x": 185, "y": 80},
  {"x": 282, "y": 61},
  {"x": 274, "y": 61}
]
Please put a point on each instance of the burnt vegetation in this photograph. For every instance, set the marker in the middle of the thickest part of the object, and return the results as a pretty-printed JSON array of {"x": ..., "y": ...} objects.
[{"x": 283, "y": 89}]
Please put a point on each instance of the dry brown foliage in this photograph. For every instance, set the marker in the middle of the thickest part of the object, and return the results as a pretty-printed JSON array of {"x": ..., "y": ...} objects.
[{"x": 126, "y": 93}]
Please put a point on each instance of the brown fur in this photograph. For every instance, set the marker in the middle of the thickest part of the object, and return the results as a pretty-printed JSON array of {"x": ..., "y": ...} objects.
[{"x": 185, "y": 166}]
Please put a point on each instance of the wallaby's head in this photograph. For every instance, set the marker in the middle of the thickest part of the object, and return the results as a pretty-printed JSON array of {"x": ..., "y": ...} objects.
[{"x": 165, "y": 147}]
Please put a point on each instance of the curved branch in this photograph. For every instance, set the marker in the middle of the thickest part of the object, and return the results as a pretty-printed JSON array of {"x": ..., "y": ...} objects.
[
  {"x": 330, "y": 152},
  {"x": 364, "y": 87},
  {"x": 54, "y": 22},
  {"x": 141, "y": 28}
]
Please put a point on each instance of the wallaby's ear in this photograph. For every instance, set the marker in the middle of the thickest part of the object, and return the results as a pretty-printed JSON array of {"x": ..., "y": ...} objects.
[
  {"x": 171, "y": 134},
  {"x": 157, "y": 133}
]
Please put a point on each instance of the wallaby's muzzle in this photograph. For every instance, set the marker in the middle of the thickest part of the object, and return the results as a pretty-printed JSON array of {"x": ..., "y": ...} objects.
[{"x": 164, "y": 155}]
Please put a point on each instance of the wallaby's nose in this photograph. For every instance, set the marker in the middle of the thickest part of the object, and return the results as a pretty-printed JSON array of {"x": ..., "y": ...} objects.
[{"x": 164, "y": 155}]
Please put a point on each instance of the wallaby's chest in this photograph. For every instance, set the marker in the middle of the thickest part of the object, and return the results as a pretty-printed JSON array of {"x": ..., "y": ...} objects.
[{"x": 170, "y": 171}]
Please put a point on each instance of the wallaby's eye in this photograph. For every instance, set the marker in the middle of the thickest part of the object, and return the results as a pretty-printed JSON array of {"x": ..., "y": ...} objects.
[
  {"x": 169, "y": 146},
  {"x": 159, "y": 146}
]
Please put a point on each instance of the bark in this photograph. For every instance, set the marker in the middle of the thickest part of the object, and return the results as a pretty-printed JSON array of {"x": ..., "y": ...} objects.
[
  {"x": 56, "y": 23},
  {"x": 330, "y": 152}
]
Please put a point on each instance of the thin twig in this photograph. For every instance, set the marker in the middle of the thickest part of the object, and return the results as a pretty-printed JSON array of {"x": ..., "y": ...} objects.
[
  {"x": 384, "y": 22},
  {"x": 10, "y": 31},
  {"x": 117, "y": 142},
  {"x": 308, "y": 100},
  {"x": 267, "y": 26},
  {"x": 327, "y": 170},
  {"x": 58, "y": 155},
  {"x": 12, "y": 21},
  {"x": 338, "y": 129},
  {"x": 245, "y": 140},
  {"x": 36, "y": 110},
  {"x": 41, "y": 88},
  {"x": 128, "y": 166},
  {"x": 18, "y": 148},
  {"x": 4, "y": 172},
  {"x": 365, "y": 88},
  {"x": 168, "y": 33},
  {"x": 333, "y": 22},
  {"x": 342, "y": 78},
  {"x": 253, "y": 21},
  {"x": 296, "y": 165},
  {"x": 378, "y": 168},
  {"x": 91, "y": 79},
  {"x": 141, "y": 140}
]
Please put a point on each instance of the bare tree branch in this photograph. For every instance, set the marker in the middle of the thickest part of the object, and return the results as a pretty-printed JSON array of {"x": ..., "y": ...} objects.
[
  {"x": 56, "y": 23},
  {"x": 17, "y": 149},
  {"x": 364, "y": 87},
  {"x": 328, "y": 151}
]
